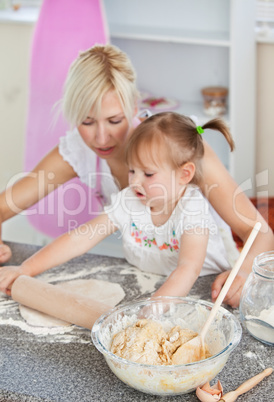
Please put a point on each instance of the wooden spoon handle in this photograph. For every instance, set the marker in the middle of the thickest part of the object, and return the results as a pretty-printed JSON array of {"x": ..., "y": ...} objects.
[
  {"x": 246, "y": 386},
  {"x": 231, "y": 278}
]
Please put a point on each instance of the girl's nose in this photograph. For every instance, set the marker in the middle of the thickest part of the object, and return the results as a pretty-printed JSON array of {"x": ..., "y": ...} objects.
[{"x": 136, "y": 180}]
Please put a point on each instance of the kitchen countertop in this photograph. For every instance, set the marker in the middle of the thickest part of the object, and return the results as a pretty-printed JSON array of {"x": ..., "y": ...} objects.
[{"x": 47, "y": 365}]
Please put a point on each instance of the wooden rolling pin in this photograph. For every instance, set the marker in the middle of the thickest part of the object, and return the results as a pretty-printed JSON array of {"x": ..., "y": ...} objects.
[
  {"x": 246, "y": 386},
  {"x": 57, "y": 302}
]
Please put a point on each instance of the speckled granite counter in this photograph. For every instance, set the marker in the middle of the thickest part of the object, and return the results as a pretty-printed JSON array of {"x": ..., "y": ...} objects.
[{"x": 47, "y": 366}]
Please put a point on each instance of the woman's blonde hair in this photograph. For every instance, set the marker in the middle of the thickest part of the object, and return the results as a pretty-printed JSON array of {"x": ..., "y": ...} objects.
[
  {"x": 173, "y": 138},
  {"x": 95, "y": 72}
]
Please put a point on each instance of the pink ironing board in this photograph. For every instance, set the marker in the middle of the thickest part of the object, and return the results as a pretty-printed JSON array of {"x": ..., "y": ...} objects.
[{"x": 64, "y": 28}]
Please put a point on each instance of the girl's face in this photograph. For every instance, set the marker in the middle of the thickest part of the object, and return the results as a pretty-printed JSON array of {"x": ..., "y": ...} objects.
[
  {"x": 106, "y": 133},
  {"x": 158, "y": 187}
]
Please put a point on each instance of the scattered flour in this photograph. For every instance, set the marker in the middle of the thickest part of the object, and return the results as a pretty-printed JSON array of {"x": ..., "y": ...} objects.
[
  {"x": 251, "y": 355},
  {"x": 35, "y": 330},
  {"x": 146, "y": 281}
]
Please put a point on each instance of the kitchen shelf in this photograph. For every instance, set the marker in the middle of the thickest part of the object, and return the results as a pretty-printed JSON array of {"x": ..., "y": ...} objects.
[
  {"x": 166, "y": 34},
  {"x": 196, "y": 109},
  {"x": 181, "y": 46},
  {"x": 24, "y": 15}
]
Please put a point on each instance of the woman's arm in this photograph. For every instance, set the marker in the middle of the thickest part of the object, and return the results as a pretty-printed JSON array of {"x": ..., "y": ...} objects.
[
  {"x": 240, "y": 214},
  {"x": 190, "y": 262},
  {"x": 64, "y": 248},
  {"x": 45, "y": 177}
]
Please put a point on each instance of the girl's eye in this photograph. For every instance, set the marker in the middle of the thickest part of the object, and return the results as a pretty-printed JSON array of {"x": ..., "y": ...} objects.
[
  {"x": 149, "y": 174},
  {"x": 131, "y": 171}
]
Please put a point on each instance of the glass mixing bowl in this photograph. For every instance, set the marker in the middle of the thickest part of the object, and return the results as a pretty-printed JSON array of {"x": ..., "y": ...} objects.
[{"x": 222, "y": 338}]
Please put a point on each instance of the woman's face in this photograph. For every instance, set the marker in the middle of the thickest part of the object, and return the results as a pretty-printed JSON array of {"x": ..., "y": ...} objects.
[{"x": 106, "y": 133}]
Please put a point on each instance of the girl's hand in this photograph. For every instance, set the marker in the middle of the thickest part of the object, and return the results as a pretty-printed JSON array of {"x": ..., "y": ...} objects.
[
  {"x": 5, "y": 253},
  {"x": 233, "y": 295},
  {"x": 7, "y": 277}
]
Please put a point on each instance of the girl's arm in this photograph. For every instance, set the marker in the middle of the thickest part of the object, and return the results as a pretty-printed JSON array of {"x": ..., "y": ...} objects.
[
  {"x": 45, "y": 177},
  {"x": 190, "y": 262},
  {"x": 64, "y": 248},
  {"x": 240, "y": 214}
]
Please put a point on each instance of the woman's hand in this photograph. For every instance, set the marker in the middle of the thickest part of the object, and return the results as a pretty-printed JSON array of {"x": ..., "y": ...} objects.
[
  {"x": 5, "y": 253},
  {"x": 8, "y": 275},
  {"x": 234, "y": 293}
]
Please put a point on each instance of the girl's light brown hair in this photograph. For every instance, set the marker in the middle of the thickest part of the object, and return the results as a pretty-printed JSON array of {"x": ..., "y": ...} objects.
[{"x": 173, "y": 138}]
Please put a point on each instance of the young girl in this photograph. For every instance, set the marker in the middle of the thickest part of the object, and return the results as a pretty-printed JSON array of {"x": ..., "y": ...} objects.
[
  {"x": 167, "y": 226},
  {"x": 100, "y": 103}
]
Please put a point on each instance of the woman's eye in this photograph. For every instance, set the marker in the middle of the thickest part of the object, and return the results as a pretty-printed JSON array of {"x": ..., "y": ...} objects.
[
  {"x": 149, "y": 174},
  {"x": 87, "y": 123},
  {"x": 115, "y": 121},
  {"x": 131, "y": 171}
]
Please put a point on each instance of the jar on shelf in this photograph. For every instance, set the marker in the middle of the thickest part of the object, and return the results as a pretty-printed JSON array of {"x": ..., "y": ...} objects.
[
  {"x": 257, "y": 299},
  {"x": 215, "y": 101}
]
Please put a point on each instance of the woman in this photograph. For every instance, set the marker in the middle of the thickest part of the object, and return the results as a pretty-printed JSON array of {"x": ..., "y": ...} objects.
[
  {"x": 100, "y": 101},
  {"x": 64, "y": 27}
]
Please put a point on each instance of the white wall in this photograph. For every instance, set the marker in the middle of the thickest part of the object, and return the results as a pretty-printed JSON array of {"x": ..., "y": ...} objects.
[{"x": 265, "y": 118}]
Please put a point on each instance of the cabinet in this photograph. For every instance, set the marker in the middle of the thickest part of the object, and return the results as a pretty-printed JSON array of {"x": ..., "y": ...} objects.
[
  {"x": 15, "y": 42},
  {"x": 179, "y": 46}
]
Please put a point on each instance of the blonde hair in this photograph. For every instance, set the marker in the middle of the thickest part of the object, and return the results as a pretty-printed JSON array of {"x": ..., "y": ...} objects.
[
  {"x": 96, "y": 71},
  {"x": 173, "y": 138}
]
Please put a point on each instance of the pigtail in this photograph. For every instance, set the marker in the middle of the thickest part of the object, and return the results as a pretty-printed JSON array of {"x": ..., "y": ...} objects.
[{"x": 219, "y": 125}]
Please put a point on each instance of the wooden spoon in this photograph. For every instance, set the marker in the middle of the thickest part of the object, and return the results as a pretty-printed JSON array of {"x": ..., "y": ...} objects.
[
  {"x": 246, "y": 386},
  {"x": 194, "y": 349}
]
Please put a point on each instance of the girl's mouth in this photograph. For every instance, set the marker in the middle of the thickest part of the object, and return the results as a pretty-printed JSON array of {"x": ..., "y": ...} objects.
[{"x": 139, "y": 195}]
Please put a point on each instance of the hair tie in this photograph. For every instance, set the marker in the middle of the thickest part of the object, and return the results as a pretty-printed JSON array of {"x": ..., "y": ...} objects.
[{"x": 200, "y": 130}]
